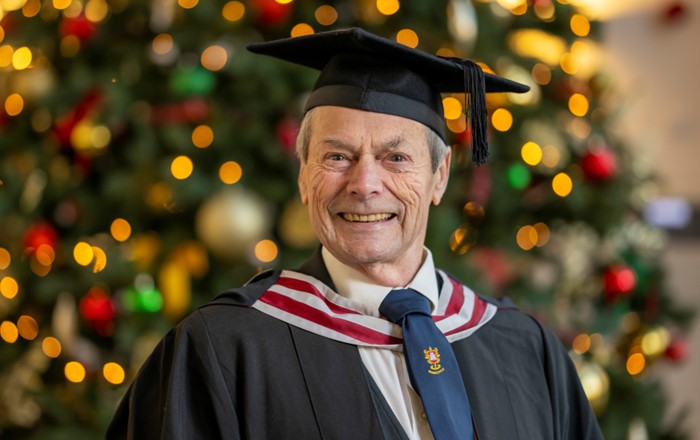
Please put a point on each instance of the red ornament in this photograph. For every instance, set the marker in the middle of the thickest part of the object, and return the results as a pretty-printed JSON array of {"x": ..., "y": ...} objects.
[
  {"x": 599, "y": 165},
  {"x": 270, "y": 13},
  {"x": 287, "y": 130},
  {"x": 677, "y": 350},
  {"x": 97, "y": 308},
  {"x": 38, "y": 234},
  {"x": 65, "y": 124},
  {"x": 79, "y": 27},
  {"x": 618, "y": 281},
  {"x": 674, "y": 12}
]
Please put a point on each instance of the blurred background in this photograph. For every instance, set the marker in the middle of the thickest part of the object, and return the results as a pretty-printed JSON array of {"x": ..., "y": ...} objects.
[{"x": 146, "y": 164}]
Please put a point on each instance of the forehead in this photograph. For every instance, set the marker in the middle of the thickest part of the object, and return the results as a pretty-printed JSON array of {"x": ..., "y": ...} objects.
[{"x": 358, "y": 127}]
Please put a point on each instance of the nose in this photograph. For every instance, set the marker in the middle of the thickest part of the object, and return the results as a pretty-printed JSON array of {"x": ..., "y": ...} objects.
[{"x": 365, "y": 178}]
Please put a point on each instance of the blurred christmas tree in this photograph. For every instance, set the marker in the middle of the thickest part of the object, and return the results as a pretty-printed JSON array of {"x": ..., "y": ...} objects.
[{"x": 146, "y": 164}]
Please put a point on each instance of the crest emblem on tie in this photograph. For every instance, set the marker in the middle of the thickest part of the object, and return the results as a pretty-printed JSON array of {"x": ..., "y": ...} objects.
[{"x": 432, "y": 356}]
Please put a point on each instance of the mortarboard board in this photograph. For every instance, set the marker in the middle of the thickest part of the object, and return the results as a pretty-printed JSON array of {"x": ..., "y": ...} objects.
[{"x": 363, "y": 71}]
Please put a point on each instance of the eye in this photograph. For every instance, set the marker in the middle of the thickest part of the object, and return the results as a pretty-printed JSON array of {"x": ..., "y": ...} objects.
[
  {"x": 336, "y": 157},
  {"x": 397, "y": 158}
]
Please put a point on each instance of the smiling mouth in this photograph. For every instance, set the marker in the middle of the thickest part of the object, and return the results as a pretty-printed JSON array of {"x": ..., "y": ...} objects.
[{"x": 361, "y": 218}]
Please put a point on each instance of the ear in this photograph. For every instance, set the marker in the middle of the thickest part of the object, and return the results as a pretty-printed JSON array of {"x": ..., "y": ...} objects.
[
  {"x": 301, "y": 181},
  {"x": 442, "y": 175}
]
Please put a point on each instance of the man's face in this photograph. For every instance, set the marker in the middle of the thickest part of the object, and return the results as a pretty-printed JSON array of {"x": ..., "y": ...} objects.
[{"x": 368, "y": 183}]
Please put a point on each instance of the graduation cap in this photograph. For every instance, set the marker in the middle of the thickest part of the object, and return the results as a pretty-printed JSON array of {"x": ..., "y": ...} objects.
[{"x": 363, "y": 71}]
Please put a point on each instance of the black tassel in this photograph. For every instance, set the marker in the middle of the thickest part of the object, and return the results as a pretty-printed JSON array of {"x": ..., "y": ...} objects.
[{"x": 475, "y": 108}]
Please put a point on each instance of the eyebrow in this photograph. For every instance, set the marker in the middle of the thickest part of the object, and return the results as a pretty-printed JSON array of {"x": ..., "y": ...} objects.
[{"x": 391, "y": 144}]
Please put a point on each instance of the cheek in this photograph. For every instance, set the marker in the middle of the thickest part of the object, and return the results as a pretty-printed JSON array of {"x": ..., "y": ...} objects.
[{"x": 410, "y": 190}]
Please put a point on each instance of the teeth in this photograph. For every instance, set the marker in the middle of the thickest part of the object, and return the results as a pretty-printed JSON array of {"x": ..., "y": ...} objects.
[{"x": 365, "y": 218}]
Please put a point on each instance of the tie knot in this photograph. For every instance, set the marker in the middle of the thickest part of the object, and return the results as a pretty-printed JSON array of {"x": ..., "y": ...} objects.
[{"x": 399, "y": 303}]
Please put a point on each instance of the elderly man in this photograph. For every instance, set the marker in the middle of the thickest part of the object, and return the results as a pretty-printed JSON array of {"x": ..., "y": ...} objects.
[{"x": 366, "y": 340}]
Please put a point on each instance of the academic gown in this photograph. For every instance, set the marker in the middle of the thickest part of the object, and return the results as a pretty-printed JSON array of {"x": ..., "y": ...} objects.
[{"x": 232, "y": 372}]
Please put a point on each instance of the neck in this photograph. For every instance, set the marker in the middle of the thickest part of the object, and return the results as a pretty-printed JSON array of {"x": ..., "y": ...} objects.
[{"x": 391, "y": 274}]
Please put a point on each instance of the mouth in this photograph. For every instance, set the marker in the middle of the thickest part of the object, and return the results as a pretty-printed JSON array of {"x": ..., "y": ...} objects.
[{"x": 367, "y": 218}]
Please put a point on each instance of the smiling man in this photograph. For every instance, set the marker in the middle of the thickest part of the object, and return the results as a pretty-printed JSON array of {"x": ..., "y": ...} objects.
[{"x": 367, "y": 340}]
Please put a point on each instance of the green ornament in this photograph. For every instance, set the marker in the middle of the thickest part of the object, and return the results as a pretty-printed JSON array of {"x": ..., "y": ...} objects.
[
  {"x": 519, "y": 176},
  {"x": 143, "y": 300},
  {"x": 192, "y": 81}
]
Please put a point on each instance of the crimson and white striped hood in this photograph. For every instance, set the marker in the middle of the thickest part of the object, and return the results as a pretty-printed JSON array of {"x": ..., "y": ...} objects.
[{"x": 307, "y": 303}]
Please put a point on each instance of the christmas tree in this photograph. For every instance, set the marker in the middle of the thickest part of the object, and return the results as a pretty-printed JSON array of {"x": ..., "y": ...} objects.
[{"x": 147, "y": 164}]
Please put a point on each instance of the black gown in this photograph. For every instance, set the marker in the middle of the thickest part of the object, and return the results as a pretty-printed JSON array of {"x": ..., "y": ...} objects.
[{"x": 232, "y": 372}]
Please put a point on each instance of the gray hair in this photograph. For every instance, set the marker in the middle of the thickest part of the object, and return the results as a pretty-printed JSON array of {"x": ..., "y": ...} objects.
[{"x": 438, "y": 148}]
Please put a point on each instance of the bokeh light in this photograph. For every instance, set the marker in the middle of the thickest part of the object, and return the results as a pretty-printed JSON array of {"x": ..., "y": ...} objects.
[
  {"x": 120, "y": 229},
  {"x": 61, "y": 4},
  {"x": 531, "y": 153},
  {"x": 99, "y": 260},
  {"x": 526, "y": 237},
  {"x": 51, "y": 347},
  {"x": 21, "y": 58},
  {"x": 113, "y": 373},
  {"x": 214, "y": 58},
  {"x": 162, "y": 44},
  {"x": 83, "y": 253},
  {"x": 202, "y": 136},
  {"x": 230, "y": 172},
  {"x": 8, "y": 332},
  {"x": 74, "y": 372},
  {"x": 388, "y": 7},
  {"x": 636, "y": 363},
  {"x": 407, "y": 37},
  {"x": 181, "y": 167},
  {"x": 502, "y": 120},
  {"x": 301, "y": 29},
  {"x": 27, "y": 327},
  {"x": 581, "y": 343},
  {"x": 14, "y": 104},
  {"x": 562, "y": 184},
  {"x": 542, "y": 74},
  {"x": 580, "y": 25},
  {"x": 233, "y": 11},
  {"x": 5, "y": 258},
  {"x": 578, "y": 104},
  {"x": 452, "y": 108},
  {"x": 96, "y": 10},
  {"x": 326, "y": 15},
  {"x": 187, "y": 4},
  {"x": 266, "y": 251},
  {"x": 9, "y": 287}
]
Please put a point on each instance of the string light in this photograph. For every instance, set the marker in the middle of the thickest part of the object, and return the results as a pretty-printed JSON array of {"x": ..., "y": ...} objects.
[
  {"x": 100, "y": 259},
  {"x": 562, "y": 184},
  {"x": 51, "y": 347},
  {"x": 635, "y": 363},
  {"x": 531, "y": 153},
  {"x": 463, "y": 239},
  {"x": 301, "y": 29},
  {"x": 502, "y": 120},
  {"x": 6, "y": 52},
  {"x": 9, "y": 287},
  {"x": 542, "y": 234},
  {"x": 202, "y": 136},
  {"x": 120, "y": 229},
  {"x": 526, "y": 237},
  {"x": 230, "y": 172},
  {"x": 326, "y": 15},
  {"x": 96, "y": 10},
  {"x": 5, "y": 258},
  {"x": 541, "y": 74},
  {"x": 581, "y": 344},
  {"x": 8, "y": 332},
  {"x": 27, "y": 327},
  {"x": 578, "y": 104},
  {"x": 580, "y": 25},
  {"x": 74, "y": 372},
  {"x": 61, "y": 4},
  {"x": 458, "y": 125},
  {"x": 407, "y": 37},
  {"x": 452, "y": 108},
  {"x": 233, "y": 11},
  {"x": 388, "y": 7},
  {"x": 214, "y": 58},
  {"x": 568, "y": 63},
  {"x": 14, "y": 104},
  {"x": 181, "y": 167},
  {"x": 162, "y": 44},
  {"x": 83, "y": 253},
  {"x": 266, "y": 251},
  {"x": 31, "y": 8},
  {"x": 113, "y": 373},
  {"x": 187, "y": 4}
]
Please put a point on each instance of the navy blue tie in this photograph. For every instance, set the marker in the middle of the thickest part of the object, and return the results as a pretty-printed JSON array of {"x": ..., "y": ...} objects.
[{"x": 432, "y": 366}]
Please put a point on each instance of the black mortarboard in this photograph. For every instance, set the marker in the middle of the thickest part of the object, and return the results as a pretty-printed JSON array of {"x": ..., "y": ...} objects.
[{"x": 363, "y": 71}]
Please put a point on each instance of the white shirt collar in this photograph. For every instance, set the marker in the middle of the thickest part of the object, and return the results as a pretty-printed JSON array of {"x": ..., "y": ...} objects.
[{"x": 354, "y": 285}]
